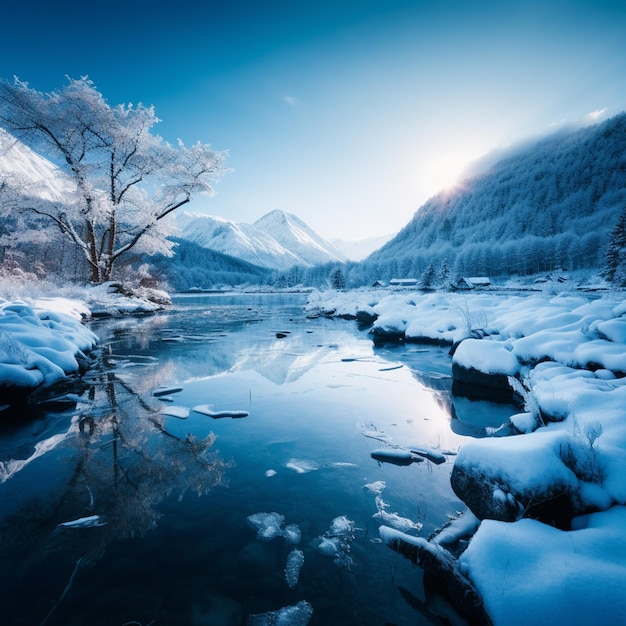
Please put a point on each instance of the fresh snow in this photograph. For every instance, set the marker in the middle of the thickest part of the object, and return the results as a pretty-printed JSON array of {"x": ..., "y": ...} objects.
[
  {"x": 569, "y": 351},
  {"x": 40, "y": 346},
  {"x": 531, "y": 573},
  {"x": 43, "y": 338}
]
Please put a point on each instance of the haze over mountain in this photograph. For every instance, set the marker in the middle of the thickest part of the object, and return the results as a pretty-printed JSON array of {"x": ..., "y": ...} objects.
[
  {"x": 277, "y": 240},
  {"x": 551, "y": 205},
  {"x": 357, "y": 250}
]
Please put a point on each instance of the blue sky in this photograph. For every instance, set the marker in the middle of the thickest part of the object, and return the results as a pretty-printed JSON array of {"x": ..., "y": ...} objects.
[{"x": 350, "y": 114}]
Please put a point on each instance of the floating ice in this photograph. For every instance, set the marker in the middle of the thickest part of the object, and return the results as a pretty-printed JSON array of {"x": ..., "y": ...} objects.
[
  {"x": 369, "y": 430},
  {"x": 165, "y": 391},
  {"x": 329, "y": 546},
  {"x": 205, "y": 409},
  {"x": 297, "y": 615},
  {"x": 295, "y": 560},
  {"x": 433, "y": 456},
  {"x": 336, "y": 541},
  {"x": 181, "y": 412},
  {"x": 269, "y": 526},
  {"x": 396, "y": 456},
  {"x": 302, "y": 466},
  {"x": 376, "y": 487},
  {"x": 84, "y": 522},
  {"x": 292, "y": 533},
  {"x": 270, "y": 473},
  {"x": 399, "y": 523}
]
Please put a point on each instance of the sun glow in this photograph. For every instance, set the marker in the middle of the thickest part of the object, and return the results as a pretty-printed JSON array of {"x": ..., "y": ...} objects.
[{"x": 445, "y": 172}]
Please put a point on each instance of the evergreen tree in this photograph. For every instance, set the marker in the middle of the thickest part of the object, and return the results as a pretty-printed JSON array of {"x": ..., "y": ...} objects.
[
  {"x": 337, "y": 279},
  {"x": 615, "y": 268}
]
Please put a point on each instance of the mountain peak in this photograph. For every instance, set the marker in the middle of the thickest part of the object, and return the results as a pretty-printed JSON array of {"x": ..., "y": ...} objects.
[{"x": 278, "y": 240}]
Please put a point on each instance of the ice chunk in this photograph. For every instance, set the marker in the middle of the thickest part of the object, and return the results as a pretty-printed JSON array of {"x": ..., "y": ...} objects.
[
  {"x": 336, "y": 541},
  {"x": 297, "y": 615},
  {"x": 341, "y": 526},
  {"x": 165, "y": 391},
  {"x": 394, "y": 520},
  {"x": 302, "y": 466},
  {"x": 269, "y": 473},
  {"x": 268, "y": 525},
  {"x": 292, "y": 533},
  {"x": 205, "y": 409},
  {"x": 181, "y": 412},
  {"x": 396, "y": 456},
  {"x": 84, "y": 522},
  {"x": 329, "y": 546},
  {"x": 376, "y": 487},
  {"x": 295, "y": 560},
  {"x": 428, "y": 453},
  {"x": 369, "y": 430}
]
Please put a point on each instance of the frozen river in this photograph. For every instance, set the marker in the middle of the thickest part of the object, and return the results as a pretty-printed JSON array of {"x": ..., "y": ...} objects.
[{"x": 219, "y": 469}]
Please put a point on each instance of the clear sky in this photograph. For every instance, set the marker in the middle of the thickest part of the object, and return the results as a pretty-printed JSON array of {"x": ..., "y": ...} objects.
[{"x": 348, "y": 113}]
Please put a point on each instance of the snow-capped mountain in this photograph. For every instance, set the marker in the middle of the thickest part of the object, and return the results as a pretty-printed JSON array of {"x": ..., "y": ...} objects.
[
  {"x": 30, "y": 174},
  {"x": 294, "y": 235},
  {"x": 278, "y": 240}
]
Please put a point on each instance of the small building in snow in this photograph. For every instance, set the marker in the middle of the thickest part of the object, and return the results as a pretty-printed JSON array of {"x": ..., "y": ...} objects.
[
  {"x": 403, "y": 282},
  {"x": 471, "y": 282}
]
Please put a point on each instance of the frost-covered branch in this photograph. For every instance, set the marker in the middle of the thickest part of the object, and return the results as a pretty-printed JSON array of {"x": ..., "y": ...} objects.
[{"x": 124, "y": 180}]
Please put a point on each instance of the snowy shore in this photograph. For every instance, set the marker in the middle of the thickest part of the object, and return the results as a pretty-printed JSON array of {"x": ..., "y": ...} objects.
[
  {"x": 548, "y": 488},
  {"x": 44, "y": 343}
]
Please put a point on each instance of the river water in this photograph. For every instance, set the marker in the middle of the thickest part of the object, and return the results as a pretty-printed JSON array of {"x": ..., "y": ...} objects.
[{"x": 265, "y": 496}]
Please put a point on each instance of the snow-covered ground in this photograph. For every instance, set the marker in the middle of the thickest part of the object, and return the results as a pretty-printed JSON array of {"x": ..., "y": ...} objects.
[
  {"x": 567, "y": 353},
  {"x": 43, "y": 340}
]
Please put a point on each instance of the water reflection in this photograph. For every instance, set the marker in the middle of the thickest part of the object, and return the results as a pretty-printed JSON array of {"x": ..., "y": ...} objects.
[{"x": 173, "y": 488}]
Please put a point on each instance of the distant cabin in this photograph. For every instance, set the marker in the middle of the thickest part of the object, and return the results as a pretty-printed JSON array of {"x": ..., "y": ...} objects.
[
  {"x": 471, "y": 282},
  {"x": 378, "y": 283},
  {"x": 403, "y": 282}
]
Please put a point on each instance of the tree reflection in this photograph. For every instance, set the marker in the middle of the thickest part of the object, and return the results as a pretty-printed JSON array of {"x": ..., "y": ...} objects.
[{"x": 117, "y": 461}]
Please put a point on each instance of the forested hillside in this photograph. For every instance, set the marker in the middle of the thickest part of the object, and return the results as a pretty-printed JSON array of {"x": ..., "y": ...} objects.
[
  {"x": 195, "y": 267},
  {"x": 553, "y": 206}
]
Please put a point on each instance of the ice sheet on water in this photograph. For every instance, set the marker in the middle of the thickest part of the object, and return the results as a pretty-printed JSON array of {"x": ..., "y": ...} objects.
[
  {"x": 270, "y": 525},
  {"x": 295, "y": 560},
  {"x": 302, "y": 466},
  {"x": 297, "y": 615}
]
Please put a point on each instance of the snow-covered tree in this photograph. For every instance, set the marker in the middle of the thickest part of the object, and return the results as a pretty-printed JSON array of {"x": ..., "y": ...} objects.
[
  {"x": 124, "y": 180},
  {"x": 337, "y": 279},
  {"x": 615, "y": 269}
]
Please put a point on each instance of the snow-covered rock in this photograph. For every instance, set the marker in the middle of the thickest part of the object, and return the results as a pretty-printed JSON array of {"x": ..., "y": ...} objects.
[
  {"x": 567, "y": 470},
  {"x": 39, "y": 348}
]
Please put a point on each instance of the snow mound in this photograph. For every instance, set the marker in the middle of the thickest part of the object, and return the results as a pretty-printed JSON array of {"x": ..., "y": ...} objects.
[{"x": 39, "y": 347}]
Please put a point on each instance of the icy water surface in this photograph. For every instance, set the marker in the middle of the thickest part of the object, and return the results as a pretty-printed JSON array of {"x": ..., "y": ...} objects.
[{"x": 220, "y": 470}]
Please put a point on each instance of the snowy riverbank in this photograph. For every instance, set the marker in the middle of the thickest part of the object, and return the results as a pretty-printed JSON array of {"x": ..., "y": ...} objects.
[
  {"x": 44, "y": 342},
  {"x": 549, "y": 486}
]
